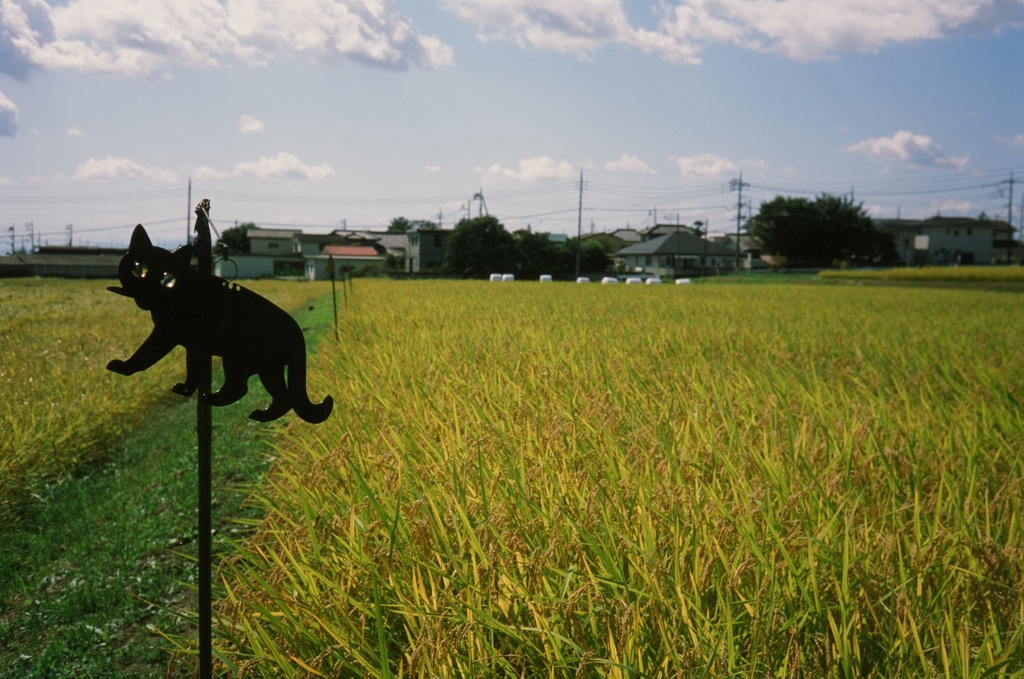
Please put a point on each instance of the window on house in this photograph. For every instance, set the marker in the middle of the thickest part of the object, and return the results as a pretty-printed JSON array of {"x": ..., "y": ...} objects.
[{"x": 272, "y": 245}]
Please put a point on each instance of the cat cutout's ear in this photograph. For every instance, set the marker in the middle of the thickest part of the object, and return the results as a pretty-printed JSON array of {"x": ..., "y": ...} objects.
[
  {"x": 140, "y": 240},
  {"x": 182, "y": 257}
]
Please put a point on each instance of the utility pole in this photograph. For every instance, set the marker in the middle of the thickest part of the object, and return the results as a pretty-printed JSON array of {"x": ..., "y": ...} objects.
[
  {"x": 481, "y": 209},
  {"x": 1009, "y": 216},
  {"x": 31, "y": 228},
  {"x": 439, "y": 215},
  {"x": 11, "y": 229},
  {"x": 738, "y": 185},
  {"x": 1009, "y": 202},
  {"x": 579, "y": 227},
  {"x": 70, "y": 234}
]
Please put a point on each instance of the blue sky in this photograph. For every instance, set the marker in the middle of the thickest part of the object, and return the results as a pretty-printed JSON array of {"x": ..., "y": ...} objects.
[{"x": 315, "y": 114}]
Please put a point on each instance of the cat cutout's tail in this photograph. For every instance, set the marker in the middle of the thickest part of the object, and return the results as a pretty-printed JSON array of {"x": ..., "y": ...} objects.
[{"x": 314, "y": 413}]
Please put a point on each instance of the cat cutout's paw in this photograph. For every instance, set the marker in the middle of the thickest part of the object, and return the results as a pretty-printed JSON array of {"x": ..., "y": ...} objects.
[
  {"x": 118, "y": 366},
  {"x": 262, "y": 416},
  {"x": 183, "y": 389}
]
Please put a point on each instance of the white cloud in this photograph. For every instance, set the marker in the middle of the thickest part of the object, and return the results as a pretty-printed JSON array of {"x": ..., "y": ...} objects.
[
  {"x": 283, "y": 165},
  {"x": 800, "y": 29},
  {"x": 250, "y": 125},
  {"x": 432, "y": 169},
  {"x": 576, "y": 27},
  {"x": 147, "y": 38},
  {"x": 112, "y": 168},
  {"x": 8, "y": 117},
  {"x": 114, "y": 36},
  {"x": 206, "y": 172},
  {"x": 368, "y": 31},
  {"x": 530, "y": 170},
  {"x": 807, "y": 30},
  {"x": 705, "y": 165},
  {"x": 75, "y": 132},
  {"x": 908, "y": 148},
  {"x": 629, "y": 163},
  {"x": 1016, "y": 141}
]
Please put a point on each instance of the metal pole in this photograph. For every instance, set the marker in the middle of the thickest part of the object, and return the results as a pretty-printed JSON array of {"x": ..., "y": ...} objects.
[
  {"x": 188, "y": 206},
  {"x": 579, "y": 228},
  {"x": 334, "y": 296},
  {"x": 204, "y": 433}
]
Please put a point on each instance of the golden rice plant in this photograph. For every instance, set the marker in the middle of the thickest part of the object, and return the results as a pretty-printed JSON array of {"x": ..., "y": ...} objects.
[
  {"x": 526, "y": 480},
  {"x": 60, "y": 404},
  {"x": 953, "y": 274}
]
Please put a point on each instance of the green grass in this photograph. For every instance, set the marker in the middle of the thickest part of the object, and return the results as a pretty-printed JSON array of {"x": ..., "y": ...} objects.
[
  {"x": 101, "y": 556},
  {"x": 61, "y": 407},
  {"x": 526, "y": 480}
]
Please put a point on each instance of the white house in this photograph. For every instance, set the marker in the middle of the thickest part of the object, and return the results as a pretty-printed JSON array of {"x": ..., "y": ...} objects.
[{"x": 950, "y": 240}]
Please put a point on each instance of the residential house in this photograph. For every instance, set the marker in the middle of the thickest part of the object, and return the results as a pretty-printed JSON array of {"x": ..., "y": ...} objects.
[
  {"x": 614, "y": 240},
  {"x": 63, "y": 262},
  {"x": 292, "y": 253},
  {"x": 345, "y": 258},
  {"x": 676, "y": 253},
  {"x": 951, "y": 240},
  {"x": 664, "y": 229},
  {"x": 272, "y": 252},
  {"x": 426, "y": 249}
]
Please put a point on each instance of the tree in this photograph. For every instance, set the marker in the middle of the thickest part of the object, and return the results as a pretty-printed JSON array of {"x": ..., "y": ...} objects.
[
  {"x": 399, "y": 225},
  {"x": 536, "y": 255},
  {"x": 237, "y": 238},
  {"x": 821, "y": 232},
  {"x": 593, "y": 257},
  {"x": 403, "y": 225},
  {"x": 479, "y": 247}
]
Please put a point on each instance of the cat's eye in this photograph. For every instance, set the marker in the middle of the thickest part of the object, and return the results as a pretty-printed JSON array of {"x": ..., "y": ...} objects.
[
  {"x": 168, "y": 280},
  {"x": 140, "y": 270}
]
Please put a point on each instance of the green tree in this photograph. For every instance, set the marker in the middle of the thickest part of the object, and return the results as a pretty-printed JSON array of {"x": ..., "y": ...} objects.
[
  {"x": 536, "y": 255},
  {"x": 399, "y": 225},
  {"x": 403, "y": 225},
  {"x": 593, "y": 257},
  {"x": 237, "y": 238},
  {"x": 479, "y": 247},
  {"x": 821, "y": 232}
]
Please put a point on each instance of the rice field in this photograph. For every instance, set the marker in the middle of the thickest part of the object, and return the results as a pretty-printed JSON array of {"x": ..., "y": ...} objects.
[
  {"x": 526, "y": 480},
  {"x": 60, "y": 404},
  {"x": 951, "y": 274}
]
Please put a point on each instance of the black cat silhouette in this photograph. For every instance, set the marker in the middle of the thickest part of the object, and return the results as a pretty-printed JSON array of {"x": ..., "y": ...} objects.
[{"x": 250, "y": 334}]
